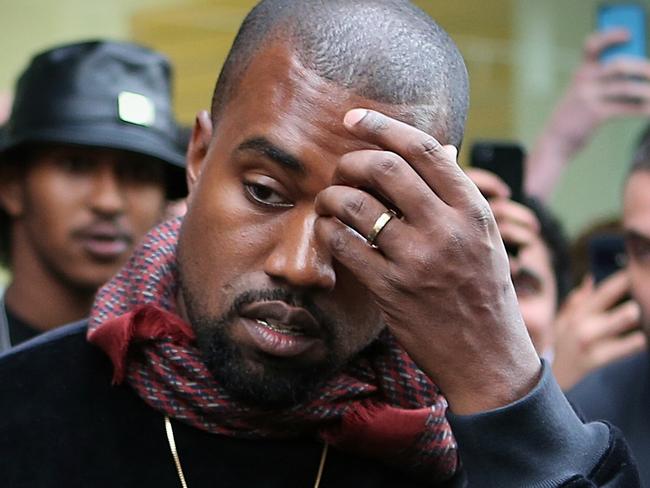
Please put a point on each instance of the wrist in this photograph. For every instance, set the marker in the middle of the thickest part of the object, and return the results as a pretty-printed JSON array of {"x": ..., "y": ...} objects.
[{"x": 492, "y": 384}]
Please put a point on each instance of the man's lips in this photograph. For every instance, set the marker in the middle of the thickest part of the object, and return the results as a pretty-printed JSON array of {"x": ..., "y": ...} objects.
[
  {"x": 281, "y": 330},
  {"x": 280, "y": 316},
  {"x": 104, "y": 241}
]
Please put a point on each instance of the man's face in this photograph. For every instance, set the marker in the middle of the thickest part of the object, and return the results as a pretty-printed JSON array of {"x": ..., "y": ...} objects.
[
  {"x": 534, "y": 281},
  {"x": 274, "y": 314},
  {"x": 636, "y": 225},
  {"x": 78, "y": 212}
]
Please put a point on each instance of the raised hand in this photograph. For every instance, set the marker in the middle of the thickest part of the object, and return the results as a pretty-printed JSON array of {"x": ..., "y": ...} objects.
[
  {"x": 592, "y": 330},
  {"x": 439, "y": 274}
]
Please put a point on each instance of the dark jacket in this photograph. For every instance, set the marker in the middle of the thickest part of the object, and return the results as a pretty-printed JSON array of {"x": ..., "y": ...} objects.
[
  {"x": 620, "y": 394},
  {"x": 63, "y": 424}
]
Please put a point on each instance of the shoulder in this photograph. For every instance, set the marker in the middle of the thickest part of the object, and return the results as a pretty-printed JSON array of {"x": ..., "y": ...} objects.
[
  {"x": 45, "y": 347},
  {"x": 621, "y": 379},
  {"x": 58, "y": 363}
]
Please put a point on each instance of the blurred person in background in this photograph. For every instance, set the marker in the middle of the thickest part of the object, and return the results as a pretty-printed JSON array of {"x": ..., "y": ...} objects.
[
  {"x": 620, "y": 392},
  {"x": 90, "y": 156},
  {"x": 580, "y": 253},
  {"x": 178, "y": 206},
  {"x": 578, "y": 331},
  {"x": 597, "y": 93},
  {"x": 599, "y": 323},
  {"x": 5, "y": 108},
  {"x": 588, "y": 330},
  {"x": 541, "y": 269}
]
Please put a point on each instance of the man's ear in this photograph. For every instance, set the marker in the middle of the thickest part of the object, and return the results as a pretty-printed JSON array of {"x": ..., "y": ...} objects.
[
  {"x": 197, "y": 149},
  {"x": 12, "y": 192}
]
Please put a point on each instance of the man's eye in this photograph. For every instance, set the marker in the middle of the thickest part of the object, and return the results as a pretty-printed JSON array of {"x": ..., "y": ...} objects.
[
  {"x": 141, "y": 171},
  {"x": 75, "y": 164},
  {"x": 265, "y": 195}
]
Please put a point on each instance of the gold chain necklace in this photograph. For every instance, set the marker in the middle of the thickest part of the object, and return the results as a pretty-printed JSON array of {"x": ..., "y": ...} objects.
[{"x": 179, "y": 469}]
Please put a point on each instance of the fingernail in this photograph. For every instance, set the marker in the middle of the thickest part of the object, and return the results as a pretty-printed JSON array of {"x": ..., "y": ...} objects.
[{"x": 353, "y": 117}]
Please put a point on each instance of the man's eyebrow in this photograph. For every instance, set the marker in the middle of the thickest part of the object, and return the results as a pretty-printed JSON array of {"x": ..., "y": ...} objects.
[{"x": 265, "y": 147}]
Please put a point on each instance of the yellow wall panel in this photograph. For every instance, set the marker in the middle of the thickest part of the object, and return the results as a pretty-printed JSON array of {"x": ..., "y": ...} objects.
[{"x": 197, "y": 36}]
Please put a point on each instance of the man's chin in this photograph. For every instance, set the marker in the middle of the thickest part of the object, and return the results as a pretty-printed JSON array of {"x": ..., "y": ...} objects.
[
  {"x": 265, "y": 384},
  {"x": 258, "y": 379}
]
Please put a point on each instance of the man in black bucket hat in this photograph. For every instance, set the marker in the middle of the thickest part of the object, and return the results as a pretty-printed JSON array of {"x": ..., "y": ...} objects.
[{"x": 90, "y": 155}]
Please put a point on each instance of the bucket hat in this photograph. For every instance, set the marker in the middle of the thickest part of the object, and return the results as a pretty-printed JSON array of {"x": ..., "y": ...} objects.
[{"x": 104, "y": 94}]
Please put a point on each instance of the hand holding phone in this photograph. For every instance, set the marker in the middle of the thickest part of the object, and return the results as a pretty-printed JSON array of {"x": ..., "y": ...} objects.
[
  {"x": 504, "y": 159},
  {"x": 592, "y": 331},
  {"x": 628, "y": 16},
  {"x": 606, "y": 255}
]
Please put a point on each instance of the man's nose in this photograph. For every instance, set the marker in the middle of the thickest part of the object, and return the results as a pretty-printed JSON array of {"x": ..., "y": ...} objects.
[
  {"x": 106, "y": 191},
  {"x": 299, "y": 259}
]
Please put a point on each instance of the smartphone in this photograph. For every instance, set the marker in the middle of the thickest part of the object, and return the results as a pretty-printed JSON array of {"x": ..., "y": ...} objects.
[
  {"x": 606, "y": 255},
  {"x": 629, "y": 16},
  {"x": 504, "y": 159}
]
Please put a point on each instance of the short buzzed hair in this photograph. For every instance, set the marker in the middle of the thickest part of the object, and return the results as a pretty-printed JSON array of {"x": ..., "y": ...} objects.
[{"x": 388, "y": 51}]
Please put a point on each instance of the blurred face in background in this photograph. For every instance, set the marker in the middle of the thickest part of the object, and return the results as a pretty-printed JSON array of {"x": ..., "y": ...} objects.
[
  {"x": 534, "y": 281},
  {"x": 77, "y": 212},
  {"x": 636, "y": 225}
]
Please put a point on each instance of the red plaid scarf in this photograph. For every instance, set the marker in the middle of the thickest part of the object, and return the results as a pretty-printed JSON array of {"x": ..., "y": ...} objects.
[{"x": 380, "y": 406}]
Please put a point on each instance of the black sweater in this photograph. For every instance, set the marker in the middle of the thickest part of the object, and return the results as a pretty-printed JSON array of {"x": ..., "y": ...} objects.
[
  {"x": 620, "y": 393},
  {"x": 63, "y": 424}
]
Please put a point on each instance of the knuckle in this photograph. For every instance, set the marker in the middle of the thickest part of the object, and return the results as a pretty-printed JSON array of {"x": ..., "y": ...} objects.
[
  {"x": 388, "y": 166},
  {"x": 338, "y": 241},
  {"x": 428, "y": 146},
  {"x": 354, "y": 205},
  {"x": 482, "y": 215}
]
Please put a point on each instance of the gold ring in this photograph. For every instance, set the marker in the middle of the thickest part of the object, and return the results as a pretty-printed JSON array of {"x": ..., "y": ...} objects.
[{"x": 379, "y": 225}]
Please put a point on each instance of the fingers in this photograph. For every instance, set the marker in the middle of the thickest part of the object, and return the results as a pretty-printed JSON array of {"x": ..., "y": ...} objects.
[
  {"x": 435, "y": 163},
  {"x": 610, "y": 291},
  {"x": 507, "y": 210},
  {"x": 599, "y": 41},
  {"x": 578, "y": 296},
  {"x": 350, "y": 249},
  {"x": 623, "y": 88},
  {"x": 619, "y": 320},
  {"x": 360, "y": 211},
  {"x": 489, "y": 184},
  {"x": 391, "y": 179},
  {"x": 619, "y": 348},
  {"x": 626, "y": 68},
  {"x": 517, "y": 224},
  {"x": 626, "y": 91}
]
